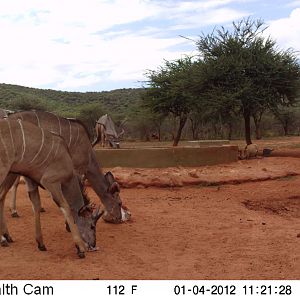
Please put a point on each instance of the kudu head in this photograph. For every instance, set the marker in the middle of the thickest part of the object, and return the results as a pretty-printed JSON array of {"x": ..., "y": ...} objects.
[
  {"x": 115, "y": 142},
  {"x": 87, "y": 219},
  {"x": 117, "y": 213},
  {"x": 86, "y": 222}
]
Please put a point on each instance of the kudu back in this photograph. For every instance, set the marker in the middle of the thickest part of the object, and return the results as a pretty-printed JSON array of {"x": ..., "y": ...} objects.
[
  {"x": 84, "y": 159},
  {"x": 44, "y": 157}
]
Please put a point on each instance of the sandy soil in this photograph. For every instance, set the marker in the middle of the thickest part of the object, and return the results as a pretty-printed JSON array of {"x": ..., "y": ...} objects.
[{"x": 235, "y": 229}]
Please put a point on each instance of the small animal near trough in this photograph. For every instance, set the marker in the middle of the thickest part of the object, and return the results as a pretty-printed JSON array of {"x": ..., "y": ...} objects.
[{"x": 167, "y": 157}]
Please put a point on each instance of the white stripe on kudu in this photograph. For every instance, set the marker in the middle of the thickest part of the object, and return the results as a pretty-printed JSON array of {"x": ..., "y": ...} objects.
[
  {"x": 58, "y": 124},
  {"x": 77, "y": 135},
  {"x": 42, "y": 144},
  {"x": 58, "y": 144},
  {"x": 37, "y": 118},
  {"x": 48, "y": 153},
  {"x": 11, "y": 136},
  {"x": 70, "y": 126},
  {"x": 23, "y": 137}
]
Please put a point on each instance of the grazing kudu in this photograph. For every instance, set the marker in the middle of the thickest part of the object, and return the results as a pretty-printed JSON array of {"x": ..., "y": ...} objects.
[
  {"x": 84, "y": 159},
  {"x": 106, "y": 132},
  {"x": 4, "y": 114},
  {"x": 44, "y": 158}
]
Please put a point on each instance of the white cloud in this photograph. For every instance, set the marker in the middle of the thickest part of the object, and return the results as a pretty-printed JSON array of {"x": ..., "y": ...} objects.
[
  {"x": 217, "y": 16},
  {"x": 286, "y": 31},
  {"x": 73, "y": 45},
  {"x": 294, "y": 3}
]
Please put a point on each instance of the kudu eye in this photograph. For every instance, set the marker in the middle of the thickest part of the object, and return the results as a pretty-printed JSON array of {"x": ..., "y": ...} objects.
[{"x": 93, "y": 227}]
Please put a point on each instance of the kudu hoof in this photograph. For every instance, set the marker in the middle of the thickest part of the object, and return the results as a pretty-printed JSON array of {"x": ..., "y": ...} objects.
[
  {"x": 4, "y": 243},
  {"x": 42, "y": 247},
  {"x": 81, "y": 254},
  {"x": 42, "y": 209},
  {"x": 8, "y": 238},
  {"x": 15, "y": 214}
]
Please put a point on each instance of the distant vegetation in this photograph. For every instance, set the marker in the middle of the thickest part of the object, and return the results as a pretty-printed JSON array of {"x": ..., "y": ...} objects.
[
  {"x": 86, "y": 106},
  {"x": 237, "y": 74},
  {"x": 140, "y": 125},
  {"x": 238, "y": 81}
]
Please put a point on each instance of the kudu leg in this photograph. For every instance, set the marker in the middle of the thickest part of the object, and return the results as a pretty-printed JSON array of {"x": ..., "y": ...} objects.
[
  {"x": 31, "y": 186},
  {"x": 55, "y": 190},
  {"x": 36, "y": 204},
  {"x": 13, "y": 205},
  {"x": 5, "y": 237},
  {"x": 3, "y": 240}
]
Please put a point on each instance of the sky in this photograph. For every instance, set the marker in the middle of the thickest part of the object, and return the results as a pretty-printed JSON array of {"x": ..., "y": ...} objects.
[{"x": 101, "y": 45}]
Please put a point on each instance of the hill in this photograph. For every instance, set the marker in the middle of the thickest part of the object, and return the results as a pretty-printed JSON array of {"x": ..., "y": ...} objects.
[{"x": 117, "y": 102}]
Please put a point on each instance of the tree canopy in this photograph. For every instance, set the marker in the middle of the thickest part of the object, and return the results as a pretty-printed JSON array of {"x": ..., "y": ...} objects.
[
  {"x": 170, "y": 91},
  {"x": 247, "y": 74},
  {"x": 238, "y": 72}
]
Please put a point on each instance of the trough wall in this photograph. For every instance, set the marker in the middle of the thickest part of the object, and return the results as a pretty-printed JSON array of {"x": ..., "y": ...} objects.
[{"x": 167, "y": 157}]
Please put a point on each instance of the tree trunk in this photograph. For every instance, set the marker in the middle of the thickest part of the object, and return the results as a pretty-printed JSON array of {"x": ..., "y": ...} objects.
[
  {"x": 195, "y": 129},
  {"x": 195, "y": 132},
  {"x": 229, "y": 131},
  {"x": 247, "y": 128},
  {"x": 257, "y": 121},
  {"x": 286, "y": 128},
  {"x": 182, "y": 122},
  {"x": 258, "y": 132}
]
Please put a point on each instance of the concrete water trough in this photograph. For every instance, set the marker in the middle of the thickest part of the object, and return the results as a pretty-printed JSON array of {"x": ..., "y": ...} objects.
[
  {"x": 205, "y": 143},
  {"x": 167, "y": 157}
]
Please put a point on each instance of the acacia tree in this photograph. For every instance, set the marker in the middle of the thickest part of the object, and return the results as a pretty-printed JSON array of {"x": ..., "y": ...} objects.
[
  {"x": 287, "y": 117},
  {"x": 248, "y": 70},
  {"x": 170, "y": 91}
]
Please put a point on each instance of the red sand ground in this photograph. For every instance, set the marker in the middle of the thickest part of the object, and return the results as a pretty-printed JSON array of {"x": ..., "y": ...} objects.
[{"x": 228, "y": 231}]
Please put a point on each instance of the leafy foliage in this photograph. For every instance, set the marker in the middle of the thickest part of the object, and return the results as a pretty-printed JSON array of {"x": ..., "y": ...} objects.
[
  {"x": 170, "y": 91},
  {"x": 246, "y": 74}
]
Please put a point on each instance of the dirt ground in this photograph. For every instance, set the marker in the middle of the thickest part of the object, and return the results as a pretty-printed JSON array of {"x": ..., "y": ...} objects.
[{"x": 243, "y": 226}]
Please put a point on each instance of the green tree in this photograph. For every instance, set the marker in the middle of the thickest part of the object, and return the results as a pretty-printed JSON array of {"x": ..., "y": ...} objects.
[
  {"x": 287, "y": 117},
  {"x": 246, "y": 72},
  {"x": 170, "y": 91},
  {"x": 25, "y": 102}
]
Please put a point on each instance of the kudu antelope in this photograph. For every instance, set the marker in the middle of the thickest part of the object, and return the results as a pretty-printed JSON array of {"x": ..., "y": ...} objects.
[
  {"x": 84, "y": 160},
  {"x": 106, "y": 132},
  {"x": 44, "y": 158},
  {"x": 4, "y": 114}
]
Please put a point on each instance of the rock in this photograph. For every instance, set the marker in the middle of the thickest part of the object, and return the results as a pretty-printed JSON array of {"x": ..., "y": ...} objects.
[{"x": 193, "y": 174}]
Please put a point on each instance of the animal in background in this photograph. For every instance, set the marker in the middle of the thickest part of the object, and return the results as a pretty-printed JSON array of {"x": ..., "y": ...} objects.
[
  {"x": 250, "y": 151},
  {"x": 106, "y": 133}
]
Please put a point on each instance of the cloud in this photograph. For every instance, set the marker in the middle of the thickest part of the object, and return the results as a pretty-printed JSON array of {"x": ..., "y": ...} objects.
[
  {"x": 75, "y": 45},
  {"x": 217, "y": 16},
  {"x": 286, "y": 31},
  {"x": 294, "y": 3}
]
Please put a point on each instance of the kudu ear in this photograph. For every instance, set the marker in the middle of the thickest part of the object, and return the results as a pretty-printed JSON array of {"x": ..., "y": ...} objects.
[
  {"x": 97, "y": 214},
  {"x": 110, "y": 178},
  {"x": 114, "y": 188},
  {"x": 84, "y": 211}
]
